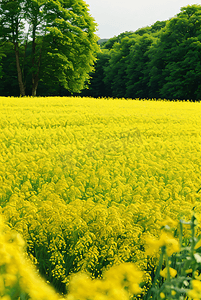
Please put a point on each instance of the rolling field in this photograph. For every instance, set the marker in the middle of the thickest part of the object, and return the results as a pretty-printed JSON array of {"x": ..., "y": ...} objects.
[{"x": 86, "y": 182}]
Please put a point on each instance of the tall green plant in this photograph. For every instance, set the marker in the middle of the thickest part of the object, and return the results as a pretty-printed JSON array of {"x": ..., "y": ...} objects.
[{"x": 177, "y": 275}]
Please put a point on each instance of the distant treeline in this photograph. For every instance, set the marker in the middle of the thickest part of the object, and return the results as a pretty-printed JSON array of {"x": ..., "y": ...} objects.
[{"x": 158, "y": 61}]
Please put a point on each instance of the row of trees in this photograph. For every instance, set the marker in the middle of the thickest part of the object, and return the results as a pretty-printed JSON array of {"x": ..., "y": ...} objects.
[
  {"x": 55, "y": 49},
  {"x": 160, "y": 61},
  {"x": 48, "y": 41}
]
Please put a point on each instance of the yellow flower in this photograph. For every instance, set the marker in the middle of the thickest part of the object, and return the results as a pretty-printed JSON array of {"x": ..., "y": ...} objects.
[
  {"x": 125, "y": 275},
  {"x": 196, "y": 285},
  {"x": 134, "y": 288},
  {"x": 172, "y": 271},
  {"x": 169, "y": 222},
  {"x": 162, "y": 295},
  {"x": 6, "y": 297},
  {"x": 198, "y": 245},
  {"x": 10, "y": 279},
  {"x": 1, "y": 284},
  {"x": 188, "y": 271},
  {"x": 192, "y": 294},
  {"x": 166, "y": 239},
  {"x": 81, "y": 287},
  {"x": 197, "y": 275}
]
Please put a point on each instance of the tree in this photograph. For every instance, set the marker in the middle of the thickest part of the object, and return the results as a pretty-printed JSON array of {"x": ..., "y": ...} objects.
[
  {"x": 116, "y": 39},
  {"x": 11, "y": 30},
  {"x": 62, "y": 38},
  {"x": 115, "y": 71},
  {"x": 9, "y": 83},
  {"x": 97, "y": 87},
  {"x": 122, "y": 67},
  {"x": 156, "y": 67},
  {"x": 137, "y": 75},
  {"x": 175, "y": 64},
  {"x": 127, "y": 70},
  {"x": 1, "y": 68}
]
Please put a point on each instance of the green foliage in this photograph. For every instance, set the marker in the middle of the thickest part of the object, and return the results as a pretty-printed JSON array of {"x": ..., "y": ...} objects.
[
  {"x": 11, "y": 25},
  {"x": 180, "y": 48},
  {"x": 9, "y": 82},
  {"x": 58, "y": 54},
  {"x": 115, "y": 72},
  {"x": 159, "y": 61},
  {"x": 61, "y": 37},
  {"x": 137, "y": 69},
  {"x": 1, "y": 56},
  {"x": 97, "y": 85},
  {"x": 127, "y": 62},
  {"x": 178, "y": 276}
]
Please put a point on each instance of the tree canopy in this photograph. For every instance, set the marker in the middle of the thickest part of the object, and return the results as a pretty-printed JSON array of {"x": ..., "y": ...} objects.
[
  {"x": 53, "y": 42},
  {"x": 158, "y": 61},
  {"x": 60, "y": 48}
]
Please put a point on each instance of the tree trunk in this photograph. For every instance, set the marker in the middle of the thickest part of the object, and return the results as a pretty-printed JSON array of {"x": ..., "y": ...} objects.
[
  {"x": 35, "y": 76},
  {"x": 35, "y": 81},
  {"x": 19, "y": 71}
]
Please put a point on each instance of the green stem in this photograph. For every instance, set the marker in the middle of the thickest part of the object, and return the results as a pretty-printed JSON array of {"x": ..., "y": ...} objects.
[
  {"x": 157, "y": 276},
  {"x": 167, "y": 267},
  {"x": 181, "y": 234},
  {"x": 193, "y": 242}
]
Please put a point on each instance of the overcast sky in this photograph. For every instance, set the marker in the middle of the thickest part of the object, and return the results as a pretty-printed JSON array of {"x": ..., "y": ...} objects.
[{"x": 117, "y": 16}]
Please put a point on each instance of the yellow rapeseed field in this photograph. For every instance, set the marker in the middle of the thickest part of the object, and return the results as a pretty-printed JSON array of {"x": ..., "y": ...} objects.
[{"x": 88, "y": 183}]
